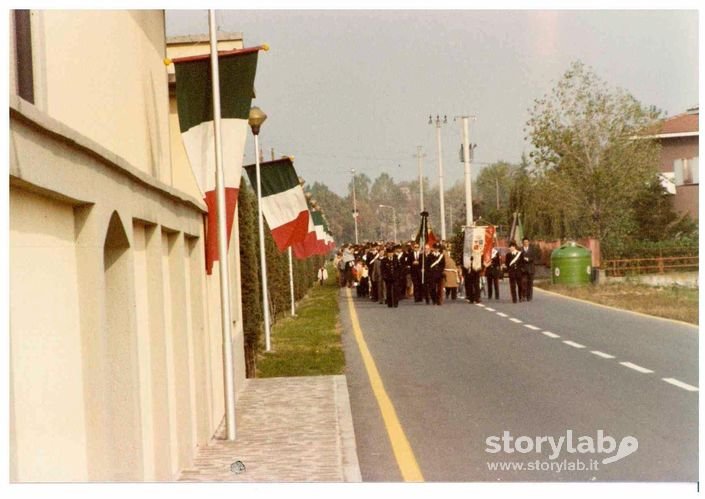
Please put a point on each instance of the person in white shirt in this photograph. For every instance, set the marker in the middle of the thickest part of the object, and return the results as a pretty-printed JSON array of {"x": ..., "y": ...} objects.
[{"x": 322, "y": 275}]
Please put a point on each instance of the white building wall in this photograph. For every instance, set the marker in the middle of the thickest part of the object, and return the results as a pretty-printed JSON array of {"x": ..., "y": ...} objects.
[
  {"x": 46, "y": 361},
  {"x": 110, "y": 254},
  {"x": 101, "y": 72}
]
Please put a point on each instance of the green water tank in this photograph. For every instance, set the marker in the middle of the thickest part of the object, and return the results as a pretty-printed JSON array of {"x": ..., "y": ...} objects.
[{"x": 571, "y": 264}]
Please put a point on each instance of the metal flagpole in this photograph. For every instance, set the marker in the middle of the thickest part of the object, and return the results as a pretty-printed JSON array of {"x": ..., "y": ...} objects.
[
  {"x": 226, "y": 320},
  {"x": 291, "y": 283}
]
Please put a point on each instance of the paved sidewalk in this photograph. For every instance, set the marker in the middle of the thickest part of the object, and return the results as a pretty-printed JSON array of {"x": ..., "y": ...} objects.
[{"x": 288, "y": 430}]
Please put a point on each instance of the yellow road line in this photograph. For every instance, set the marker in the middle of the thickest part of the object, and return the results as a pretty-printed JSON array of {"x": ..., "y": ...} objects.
[{"x": 403, "y": 453}]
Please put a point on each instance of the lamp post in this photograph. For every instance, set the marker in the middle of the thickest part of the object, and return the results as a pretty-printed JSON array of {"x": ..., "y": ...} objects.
[
  {"x": 440, "y": 170},
  {"x": 255, "y": 121},
  {"x": 354, "y": 203},
  {"x": 394, "y": 219}
]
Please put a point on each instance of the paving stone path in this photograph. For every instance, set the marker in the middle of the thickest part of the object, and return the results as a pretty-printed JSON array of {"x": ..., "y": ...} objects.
[{"x": 288, "y": 430}]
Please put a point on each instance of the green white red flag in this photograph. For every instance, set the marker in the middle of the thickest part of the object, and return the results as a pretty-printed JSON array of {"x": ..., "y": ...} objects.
[
  {"x": 194, "y": 86},
  {"x": 283, "y": 202},
  {"x": 307, "y": 247}
]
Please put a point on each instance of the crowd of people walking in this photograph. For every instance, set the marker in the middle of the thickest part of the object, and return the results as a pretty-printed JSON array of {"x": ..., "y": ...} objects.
[{"x": 387, "y": 273}]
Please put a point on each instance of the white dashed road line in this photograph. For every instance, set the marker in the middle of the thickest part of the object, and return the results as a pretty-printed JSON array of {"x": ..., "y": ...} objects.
[
  {"x": 602, "y": 354},
  {"x": 479, "y": 304},
  {"x": 630, "y": 365},
  {"x": 573, "y": 344},
  {"x": 680, "y": 384},
  {"x": 636, "y": 368}
]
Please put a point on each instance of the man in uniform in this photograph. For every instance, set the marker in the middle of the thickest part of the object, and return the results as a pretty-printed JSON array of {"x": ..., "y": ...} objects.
[
  {"x": 415, "y": 259},
  {"x": 528, "y": 255},
  {"x": 390, "y": 276},
  {"x": 375, "y": 276},
  {"x": 434, "y": 273},
  {"x": 513, "y": 262}
]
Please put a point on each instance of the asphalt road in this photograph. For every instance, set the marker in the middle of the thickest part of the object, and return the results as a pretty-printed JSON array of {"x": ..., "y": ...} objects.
[{"x": 460, "y": 374}]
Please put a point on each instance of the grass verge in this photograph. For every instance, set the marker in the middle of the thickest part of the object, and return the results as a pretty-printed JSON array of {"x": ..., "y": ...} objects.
[
  {"x": 308, "y": 344},
  {"x": 672, "y": 302}
]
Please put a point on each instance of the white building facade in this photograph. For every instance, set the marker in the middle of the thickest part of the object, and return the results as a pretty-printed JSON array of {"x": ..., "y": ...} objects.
[{"x": 115, "y": 338}]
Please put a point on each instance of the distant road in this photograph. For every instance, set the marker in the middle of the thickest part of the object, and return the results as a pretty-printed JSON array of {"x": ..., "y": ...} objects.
[{"x": 459, "y": 374}]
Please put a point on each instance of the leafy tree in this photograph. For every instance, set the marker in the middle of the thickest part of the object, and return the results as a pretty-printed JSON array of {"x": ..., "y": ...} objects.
[
  {"x": 655, "y": 218},
  {"x": 588, "y": 161},
  {"x": 494, "y": 184}
]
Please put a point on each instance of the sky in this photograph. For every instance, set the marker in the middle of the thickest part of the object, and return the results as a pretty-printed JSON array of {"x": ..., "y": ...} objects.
[{"x": 354, "y": 89}]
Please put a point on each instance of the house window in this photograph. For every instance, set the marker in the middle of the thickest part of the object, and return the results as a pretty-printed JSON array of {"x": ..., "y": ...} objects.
[
  {"x": 685, "y": 171},
  {"x": 23, "y": 44}
]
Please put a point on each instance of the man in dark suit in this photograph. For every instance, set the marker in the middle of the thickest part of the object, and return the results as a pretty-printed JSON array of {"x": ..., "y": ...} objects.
[
  {"x": 513, "y": 263},
  {"x": 415, "y": 259},
  {"x": 472, "y": 283},
  {"x": 401, "y": 278},
  {"x": 434, "y": 272},
  {"x": 493, "y": 271},
  {"x": 528, "y": 268},
  {"x": 390, "y": 275}
]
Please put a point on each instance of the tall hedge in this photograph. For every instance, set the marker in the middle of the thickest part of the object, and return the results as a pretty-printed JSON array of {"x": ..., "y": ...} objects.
[
  {"x": 277, "y": 277},
  {"x": 249, "y": 268}
]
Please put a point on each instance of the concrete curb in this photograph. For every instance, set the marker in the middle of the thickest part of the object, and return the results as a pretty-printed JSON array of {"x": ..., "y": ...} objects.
[{"x": 346, "y": 431}]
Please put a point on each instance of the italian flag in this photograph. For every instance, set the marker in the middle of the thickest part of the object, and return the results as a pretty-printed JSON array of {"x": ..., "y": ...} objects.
[
  {"x": 319, "y": 227},
  {"x": 283, "y": 202},
  {"x": 195, "y": 108},
  {"x": 317, "y": 240},
  {"x": 307, "y": 247}
]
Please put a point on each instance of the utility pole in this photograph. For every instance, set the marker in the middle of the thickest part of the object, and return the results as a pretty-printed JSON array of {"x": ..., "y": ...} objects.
[
  {"x": 419, "y": 155},
  {"x": 394, "y": 219},
  {"x": 440, "y": 170},
  {"x": 467, "y": 158},
  {"x": 354, "y": 203}
]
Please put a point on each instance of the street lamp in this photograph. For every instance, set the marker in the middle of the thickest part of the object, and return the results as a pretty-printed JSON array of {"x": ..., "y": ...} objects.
[
  {"x": 440, "y": 169},
  {"x": 354, "y": 203},
  {"x": 255, "y": 121},
  {"x": 394, "y": 219}
]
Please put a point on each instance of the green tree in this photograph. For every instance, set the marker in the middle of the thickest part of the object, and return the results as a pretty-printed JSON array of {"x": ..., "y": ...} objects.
[
  {"x": 494, "y": 184},
  {"x": 655, "y": 218},
  {"x": 587, "y": 157}
]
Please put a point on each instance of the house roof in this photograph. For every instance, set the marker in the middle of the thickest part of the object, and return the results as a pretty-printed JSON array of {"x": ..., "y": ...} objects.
[{"x": 680, "y": 124}]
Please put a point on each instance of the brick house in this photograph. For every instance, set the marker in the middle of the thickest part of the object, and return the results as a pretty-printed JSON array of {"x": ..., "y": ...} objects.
[{"x": 679, "y": 160}]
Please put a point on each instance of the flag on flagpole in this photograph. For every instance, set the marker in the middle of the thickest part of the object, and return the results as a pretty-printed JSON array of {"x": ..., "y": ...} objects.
[
  {"x": 425, "y": 235},
  {"x": 307, "y": 247},
  {"x": 516, "y": 232},
  {"x": 283, "y": 201},
  {"x": 489, "y": 243},
  {"x": 195, "y": 109},
  {"x": 321, "y": 246}
]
